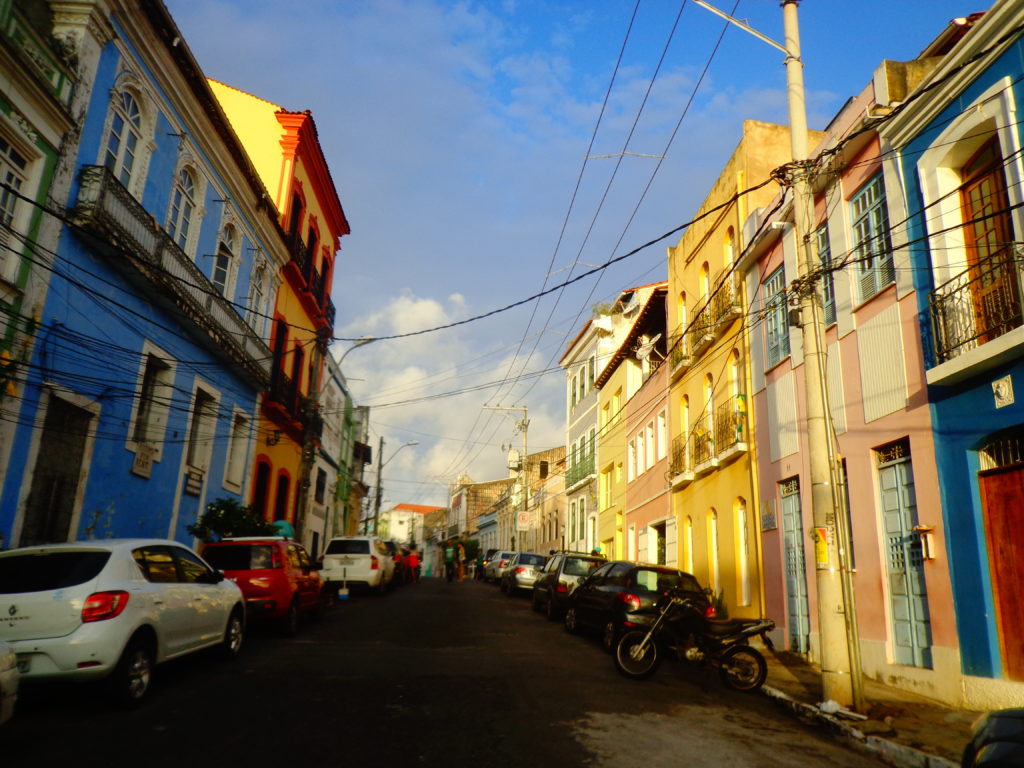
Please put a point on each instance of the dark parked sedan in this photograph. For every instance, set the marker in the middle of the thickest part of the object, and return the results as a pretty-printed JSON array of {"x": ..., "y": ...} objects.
[
  {"x": 563, "y": 572},
  {"x": 605, "y": 600}
]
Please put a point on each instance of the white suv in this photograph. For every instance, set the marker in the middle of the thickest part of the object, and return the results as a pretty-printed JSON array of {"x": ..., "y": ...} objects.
[
  {"x": 114, "y": 609},
  {"x": 357, "y": 561}
]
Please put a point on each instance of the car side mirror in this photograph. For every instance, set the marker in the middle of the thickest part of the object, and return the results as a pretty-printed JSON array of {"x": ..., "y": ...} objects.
[{"x": 212, "y": 577}]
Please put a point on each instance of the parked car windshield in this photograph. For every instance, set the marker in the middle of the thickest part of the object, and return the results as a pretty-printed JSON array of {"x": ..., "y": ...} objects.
[
  {"x": 659, "y": 581},
  {"x": 45, "y": 571},
  {"x": 348, "y": 547},
  {"x": 240, "y": 557},
  {"x": 580, "y": 566},
  {"x": 531, "y": 559}
]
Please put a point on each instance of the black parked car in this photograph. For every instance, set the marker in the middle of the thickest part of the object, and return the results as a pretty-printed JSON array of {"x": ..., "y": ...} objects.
[
  {"x": 605, "y": 599},
  {"x": 997, "y": 741},
  {"x": 560, "y": 576}
]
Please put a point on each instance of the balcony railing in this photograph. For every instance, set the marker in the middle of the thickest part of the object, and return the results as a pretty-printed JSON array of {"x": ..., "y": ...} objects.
[
  {"x": 284, "y": 392},
  {"x": 680, "y": 468},
  {"x": 977, "y": 306},
  {"x": 702, "y": 448},
  {"x": 726, "y": 304},
  {"x": 731, "y": 428},
  {"x": 107, "y": 209},
  {"x": 700, "y": 332},
  {"x": 579, "y": 471},
  {"x": 679, "y": 353}
]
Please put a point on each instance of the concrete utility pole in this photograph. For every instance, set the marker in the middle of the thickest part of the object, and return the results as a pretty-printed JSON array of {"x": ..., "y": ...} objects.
[
  {"x": 524, "y": 476},
  {"x": 836, "y": 619},
  {"x": 380, "y": 474}
]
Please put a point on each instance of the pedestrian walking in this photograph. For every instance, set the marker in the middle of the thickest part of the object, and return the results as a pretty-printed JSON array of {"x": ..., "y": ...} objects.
[
  {"x": 460, "y": 560},
  {"x": 449, "y": 560},
  {"x": 412, "y": 566}
]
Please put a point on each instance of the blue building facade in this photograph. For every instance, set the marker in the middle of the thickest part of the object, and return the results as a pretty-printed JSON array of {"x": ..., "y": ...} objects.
[
  {"x": 140, "y": 404},
  {"x": 956, "y": 143}
]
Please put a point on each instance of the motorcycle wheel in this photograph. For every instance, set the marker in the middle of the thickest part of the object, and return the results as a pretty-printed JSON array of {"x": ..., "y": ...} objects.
[
  {"x": 742, "y": 668},
  {"x": 636, "y": 668}
]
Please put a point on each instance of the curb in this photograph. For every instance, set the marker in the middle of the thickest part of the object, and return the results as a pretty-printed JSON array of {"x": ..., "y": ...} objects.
[{"x": 894, "y": 754}]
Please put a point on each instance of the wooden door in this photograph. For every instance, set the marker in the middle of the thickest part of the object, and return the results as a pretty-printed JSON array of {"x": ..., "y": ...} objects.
[{"x": 1002, "y": 494}]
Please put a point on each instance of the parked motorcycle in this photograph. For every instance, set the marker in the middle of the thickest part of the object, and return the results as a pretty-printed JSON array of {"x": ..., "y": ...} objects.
[
  {"x": 997, "y": 741},
  {"x": 678, "y": 625}
]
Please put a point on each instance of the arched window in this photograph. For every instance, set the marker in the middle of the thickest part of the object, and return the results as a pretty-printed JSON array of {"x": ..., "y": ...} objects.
[
  {"x": 742, "y": 550},
  {"x": 224, "y": 261},
  {"x": 281, "y": 501},
  {"x": 257, "y": 294},
  {"x": 713, "y": 567},
  {"x": 705, "y": 281},
  {"x": 123, "y": 137},
  {"x": 261, "y": 489},
  {"x": 183, "y": 206},
  {"x": 729, "y": 248},
  {"x": 688, "y": 544}
]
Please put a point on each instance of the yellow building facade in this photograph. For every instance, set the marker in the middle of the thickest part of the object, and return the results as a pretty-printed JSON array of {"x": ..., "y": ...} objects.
[
  {"x": 285, "y": 150},
  {"x": 712, "y": 461}
]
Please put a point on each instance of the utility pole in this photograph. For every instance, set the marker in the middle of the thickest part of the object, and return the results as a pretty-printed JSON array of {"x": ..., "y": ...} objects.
[
  {"x": 524, "y": 476},
  {"x": 840, "y": 650},
  {"x": 380, "y": 472}
]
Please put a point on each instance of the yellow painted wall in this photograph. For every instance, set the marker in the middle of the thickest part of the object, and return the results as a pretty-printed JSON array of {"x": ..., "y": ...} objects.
[
  {"x": 611, "y": 454},
  {"x": 712, "y": 502}
]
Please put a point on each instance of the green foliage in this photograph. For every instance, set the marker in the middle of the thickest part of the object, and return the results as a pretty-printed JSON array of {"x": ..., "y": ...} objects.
[
  {"x": 228, "y": 517},
  {"x": 472, "y": 547}
]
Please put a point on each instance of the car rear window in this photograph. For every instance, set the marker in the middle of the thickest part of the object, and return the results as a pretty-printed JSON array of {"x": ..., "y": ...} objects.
[
  {"x": 240, "y": 557},
  {"x": 532, "y": 559},
  {"x": 45, "y": 571},
  {"x": 348, "y": 547},
  {"x": 580, "y": 566},
  {"x": 659, "y": 581}
]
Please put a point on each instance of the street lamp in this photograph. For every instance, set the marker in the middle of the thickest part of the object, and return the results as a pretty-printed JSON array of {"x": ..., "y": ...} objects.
[
  {"x": 360, "y": 342},
  {"x": 380, "y": 472}
]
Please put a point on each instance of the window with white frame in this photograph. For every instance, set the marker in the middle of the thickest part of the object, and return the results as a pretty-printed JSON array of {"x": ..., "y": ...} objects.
[
  {"x": 183, "y": 208},
  {"x": 581, "y": 517},
  {"x": 572, "y": 391},
  {"x": 234, "y": 472},
  {"x": 662, "y": 435},
  {"x": 202, "y": 428},
  {"x": 225, "y": 261},
  {"x": 257, "y": 291},
  {"x": 776, "y": 320},
  {"x": 593, "y": 441},
  {"x": 872, "y": 249},
  {"x": 631, "y": 469},
  {"x": 649, "y": 442},
  {"x": 153, "y": 403},
  {"x": 828, "y": 291},
  {"x": 13, "y": 175},
  {"x": 123, "y": 137},
  {"x": 592, "y": 371}
]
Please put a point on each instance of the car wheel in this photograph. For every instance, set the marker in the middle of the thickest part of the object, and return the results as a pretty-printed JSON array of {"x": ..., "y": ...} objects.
[
  {"x": 572, "y": 625},
  {"x": 290, "y": 622},
  {"x": 131, "y": 678},
  {"x": 234, "y": 634},
  {"x": 609, "y": 637},
  {"x": 549, "y": 608}
]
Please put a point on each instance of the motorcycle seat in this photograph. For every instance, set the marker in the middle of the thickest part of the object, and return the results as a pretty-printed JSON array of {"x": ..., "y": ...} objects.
[{"x": 724, "y": 627}]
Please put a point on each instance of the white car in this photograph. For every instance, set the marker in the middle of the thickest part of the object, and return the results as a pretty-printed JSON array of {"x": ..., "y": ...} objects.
[
  {"x": 357, "y": 561},
  {"x": 113, "y": 609},
  {"x": 8, "y": 681},
  {"x": 495, "y": 569}
]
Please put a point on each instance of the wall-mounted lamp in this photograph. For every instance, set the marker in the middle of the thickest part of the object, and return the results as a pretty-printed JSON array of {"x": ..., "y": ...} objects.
[
  {"x": 927, "y": 534},
  {"x": 274, "y": 437}
]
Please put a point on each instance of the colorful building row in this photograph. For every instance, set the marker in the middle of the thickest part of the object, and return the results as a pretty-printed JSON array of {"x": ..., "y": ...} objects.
[
  {"x": 168, "y": 246},
  {"x": 915, "y": 271}
]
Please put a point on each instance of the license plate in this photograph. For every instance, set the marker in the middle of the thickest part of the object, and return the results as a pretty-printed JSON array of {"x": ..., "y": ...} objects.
[
  {"x": 345, "y": 560},
  {"x": 23, "y": 665}
]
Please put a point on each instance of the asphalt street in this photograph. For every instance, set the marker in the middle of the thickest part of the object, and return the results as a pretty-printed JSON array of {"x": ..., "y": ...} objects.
[{"x": 433, "y": 674}]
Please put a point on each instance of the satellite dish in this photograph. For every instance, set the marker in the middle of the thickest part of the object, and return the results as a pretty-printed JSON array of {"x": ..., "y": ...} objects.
[{"x": 646, "y": 346}]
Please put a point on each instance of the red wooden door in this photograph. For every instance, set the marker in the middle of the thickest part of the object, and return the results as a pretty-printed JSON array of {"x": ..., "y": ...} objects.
[{"x": 1002, "y": 496}]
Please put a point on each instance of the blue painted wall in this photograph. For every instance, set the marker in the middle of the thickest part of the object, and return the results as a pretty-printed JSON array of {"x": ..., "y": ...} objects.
[
  {"x": 963, "y": 416},
  {"x": 94, "y": 326}
]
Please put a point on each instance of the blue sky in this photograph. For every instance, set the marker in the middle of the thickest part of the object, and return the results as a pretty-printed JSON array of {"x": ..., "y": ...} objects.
[{"x": 457, "y": 134}]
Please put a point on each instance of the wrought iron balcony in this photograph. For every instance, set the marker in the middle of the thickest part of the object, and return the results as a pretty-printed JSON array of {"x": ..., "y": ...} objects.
[
  {"x": 679, "y": 463},
  {"x": 679, "y": 353},
  {"x": 702, "y": 445},
  {"x": 731, "y": 437},
  {"x": 579, "y": 471},
  {"x": 106, "y": 209},
  {"x": 977, "y": 306},
  {"x": 329, "y": 312},
  {"x": 726, "y": 303},
  {"x": 700, "y": 332},
  {"x": 284, "y": 392}
]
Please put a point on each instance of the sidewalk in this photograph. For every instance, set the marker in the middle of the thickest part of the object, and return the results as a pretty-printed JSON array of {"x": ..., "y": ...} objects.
[{"x": 902, "y": 728}]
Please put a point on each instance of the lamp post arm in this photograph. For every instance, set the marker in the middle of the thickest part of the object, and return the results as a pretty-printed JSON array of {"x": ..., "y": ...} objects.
[{"x": 746, "y": 28}]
